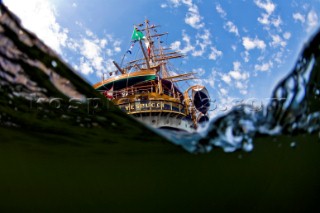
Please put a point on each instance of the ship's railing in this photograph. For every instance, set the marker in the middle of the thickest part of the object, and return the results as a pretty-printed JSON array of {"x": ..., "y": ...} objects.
[
  {"x": 142, "y": 90},
  {"x": 133, "y": 91},
  {"x": 142, "y": 106}
]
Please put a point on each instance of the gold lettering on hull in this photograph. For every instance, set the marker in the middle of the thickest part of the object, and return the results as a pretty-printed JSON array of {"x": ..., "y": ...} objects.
[{"x": 148, "y": 106}]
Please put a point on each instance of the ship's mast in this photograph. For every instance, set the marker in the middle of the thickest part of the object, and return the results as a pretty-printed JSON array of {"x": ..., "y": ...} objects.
[
  {"x": 155, "y": 55},
  {"x": 160, "y": 56},
  {"x": 164, "y": 70},
  {"x": 149, "y": 41},
  {"x": 145, "y": 55}
]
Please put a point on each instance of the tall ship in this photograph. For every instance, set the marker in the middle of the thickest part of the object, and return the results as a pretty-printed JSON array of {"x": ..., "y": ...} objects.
[{"x": 149, "y": 90}]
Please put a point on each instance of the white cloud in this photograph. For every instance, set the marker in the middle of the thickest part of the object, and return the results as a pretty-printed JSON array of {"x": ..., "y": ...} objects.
[
  {"x": 232, "y": 28},
  {"x": 175, "y": 3},
  {"x": 219, "y": 9},
  {"x": 116, "y": 46},
  {"x": 267, "y": 18},
  {"x": 237, "y": 79},
  {"x": 199, "y": 47},
  {"x": 226, "y": 78},
  {"x": 267, "y": 5},
  {"x": 85, "y": 67},
  {"x": 117, "y": 49},
  {"x": 89, "y": 33},
  {"x": 246, "y": 56},
  {"x": 193, "y": 17},
  {"x": 202, "y": 43},
  {"x": 287, "y": 35},
  {"x": 194, "y": 20},
  {"x": 236, "y": 72},
  {"x": 188, "y": 47},
  {"x": 277, "y": 41},
  {"x": 163, "y": 5},
  {"x": 207, "y": 80},
  {"x": 90, "y": 49},
  {"x": 205, "y": 36},
  {"x": 250, "y": 44},
  {"x": 313, "y": 20},
  {"x": 223, "y": 91},
  {"x": 236, "y": 65},
  {"x": 244, "y": 91},
  {"x": 264, "y": 67},
  {"x": 299, "y": 17},
  {"x": 264, "y": 19},
  {"x": 277, "y": 22},
  {"x": 175, "y": 45},
  {"x": 92, "y": 56},
  {"x": 215, "y": 53},
  {"x": 93, "y": 51},
  {"x": 210, "y": 81},
  {"x": 39, "y": 16},
  {"x": 278, "y": 57},
  {"x": 103, "y": 42},
  {"x": 187, "y": 44},
  {"x": 272, "y": 23},
  {"x": 109, "y": 52},
  {"x": 211, "y": 78},
  {"x": 240, "y": 85},
  {"x": 74, "y": 4}
]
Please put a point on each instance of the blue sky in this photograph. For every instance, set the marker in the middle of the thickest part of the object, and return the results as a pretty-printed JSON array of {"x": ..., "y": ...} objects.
[{"x": 240, "y": 48}]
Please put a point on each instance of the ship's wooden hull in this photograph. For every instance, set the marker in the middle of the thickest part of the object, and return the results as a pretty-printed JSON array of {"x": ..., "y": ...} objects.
[
  {"x": 165, "y": 121},
  {"x": 158, "y": 111}
]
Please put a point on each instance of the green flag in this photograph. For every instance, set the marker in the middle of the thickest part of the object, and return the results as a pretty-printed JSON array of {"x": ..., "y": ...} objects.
[{"x": 137, "y": 35}]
